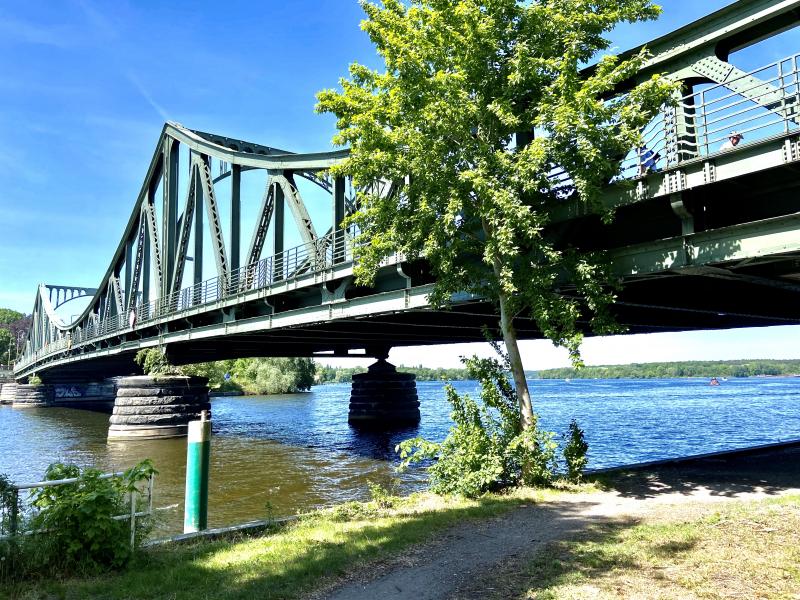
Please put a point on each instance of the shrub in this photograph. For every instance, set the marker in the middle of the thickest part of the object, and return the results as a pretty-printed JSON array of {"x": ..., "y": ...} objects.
[
  {"x": 9, "y": 551},
  {"x": 34, "y": 380},
  {"x": 154, "y": 363},
  {"x": 383, "y": 497},
  {"x": 81, "y": 534},
  {"x": 486, "y": 448},
  {"x": 575, "y": 449}
]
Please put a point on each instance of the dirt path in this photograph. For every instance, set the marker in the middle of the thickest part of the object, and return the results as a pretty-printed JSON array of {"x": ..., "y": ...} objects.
[{"x": 460, "y": 563}]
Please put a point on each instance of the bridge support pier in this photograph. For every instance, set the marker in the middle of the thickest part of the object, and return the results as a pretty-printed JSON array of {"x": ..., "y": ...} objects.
[
  {"x": 384, "y": 398},
  {"x": 30, "y": 396},
  {"x": 80, "y": 392},
  {"x": 157, "y": 407},
  {"x": 8, "y": 392}
]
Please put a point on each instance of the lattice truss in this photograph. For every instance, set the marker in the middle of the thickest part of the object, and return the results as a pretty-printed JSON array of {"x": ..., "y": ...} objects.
[
  {"x": 150, "y": 274},
  {"x": 159, "y": 265}
]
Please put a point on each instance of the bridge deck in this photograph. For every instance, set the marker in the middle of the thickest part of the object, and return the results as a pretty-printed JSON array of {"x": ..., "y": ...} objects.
[{"x": 703, "y": 237}]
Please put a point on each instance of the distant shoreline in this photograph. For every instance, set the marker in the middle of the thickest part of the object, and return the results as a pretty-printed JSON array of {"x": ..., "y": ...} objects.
[
  {"x": 681, "y": 370},
  {"x": 215, "y": 394}
]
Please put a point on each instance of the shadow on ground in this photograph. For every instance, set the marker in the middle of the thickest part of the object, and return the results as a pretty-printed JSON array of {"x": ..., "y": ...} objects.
[
  {"x": 769, "y": 472},
  {"x": 277, "y": 565}
]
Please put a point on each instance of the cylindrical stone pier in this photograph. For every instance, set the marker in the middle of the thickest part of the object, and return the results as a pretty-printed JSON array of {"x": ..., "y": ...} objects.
[
  {"x": 8, "y": 393},
  {"x": 29, "y": 396},
  {"x": 382, "y": 397},
  {"x": 157, "y": 407}
]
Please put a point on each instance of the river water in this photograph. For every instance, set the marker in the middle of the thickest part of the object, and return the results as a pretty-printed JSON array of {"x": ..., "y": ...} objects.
[{"x": 284, "y": 454}]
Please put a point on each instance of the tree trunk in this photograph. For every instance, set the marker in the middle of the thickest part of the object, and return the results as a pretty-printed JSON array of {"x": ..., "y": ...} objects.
[
  {"x": 517, "y": 370},
  {"x": 527, "y": 419}
]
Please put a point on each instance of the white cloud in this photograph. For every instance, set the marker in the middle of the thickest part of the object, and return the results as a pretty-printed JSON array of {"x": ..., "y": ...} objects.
[{"x": 146, "y": 95}]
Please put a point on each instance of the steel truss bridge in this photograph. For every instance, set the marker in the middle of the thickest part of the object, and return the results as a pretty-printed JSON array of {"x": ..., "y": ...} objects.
[{"x": 704, "y": 238}]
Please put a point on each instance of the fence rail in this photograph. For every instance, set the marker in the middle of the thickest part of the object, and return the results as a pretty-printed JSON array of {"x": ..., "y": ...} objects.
[
  {"x": 10, "y": 511},
  {"x": 326, "y": 252},
  {"x": 757, "y": 104}
]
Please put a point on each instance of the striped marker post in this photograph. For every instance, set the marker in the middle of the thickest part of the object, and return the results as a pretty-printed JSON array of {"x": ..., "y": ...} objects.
[{"x": 195, "y": 516}]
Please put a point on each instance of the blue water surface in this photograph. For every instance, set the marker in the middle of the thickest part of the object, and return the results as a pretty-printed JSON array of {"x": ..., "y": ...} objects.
[
  {"x": 625, "y": 420},
  {"x": 297, "y": 452}
]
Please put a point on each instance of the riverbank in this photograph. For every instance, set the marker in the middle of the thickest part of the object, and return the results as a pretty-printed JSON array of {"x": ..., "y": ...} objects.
[
  {"x": 290, "y": 560},
  {"x": 663, "y": 531}
]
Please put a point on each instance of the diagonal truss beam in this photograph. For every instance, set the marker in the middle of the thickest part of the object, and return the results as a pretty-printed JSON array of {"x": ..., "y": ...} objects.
[
  {"x": 117, "y": 291},
  {"x": 155, "y": 257},
  {"x": 186, "y": 230},
  {"x": 137, "y": 266},
  {"x": 264, "y": 220},
  {"x": 763, "y": 93},
  {"x": 212, "y": 210},
  {"x": 299, "y": 211}
]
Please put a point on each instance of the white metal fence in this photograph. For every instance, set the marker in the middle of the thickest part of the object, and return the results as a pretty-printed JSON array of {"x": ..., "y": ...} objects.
[{"x": 18, "y": 510}]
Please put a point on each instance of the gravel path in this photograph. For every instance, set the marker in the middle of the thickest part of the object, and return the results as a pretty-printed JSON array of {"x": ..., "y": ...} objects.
[
  {"x": 435, "y": 570},
  {"x": 460, "y": 562}
]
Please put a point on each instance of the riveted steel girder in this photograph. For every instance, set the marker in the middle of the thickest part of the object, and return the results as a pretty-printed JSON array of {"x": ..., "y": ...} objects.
[
  {"x": 212, "y": 211},
  {"x": 186, "y": 230},
  {"x": 262, "y": 222}
]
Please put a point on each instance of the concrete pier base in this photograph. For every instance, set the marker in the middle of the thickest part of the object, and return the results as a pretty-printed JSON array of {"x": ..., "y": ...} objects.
[
  {"x": 384, "y": 398},
  {"x": 8, "y": 392},
  {"x": 28, "y": 396},
  {"x": 156, "y": 407},
  {"x": 90, "y": 395}
]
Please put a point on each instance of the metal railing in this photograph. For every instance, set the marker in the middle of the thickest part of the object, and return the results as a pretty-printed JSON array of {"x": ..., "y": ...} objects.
[
  {"x": 759, "y": 104},
  {"x": 333, "y": 249},
  {"x": 17, "y": 511}
]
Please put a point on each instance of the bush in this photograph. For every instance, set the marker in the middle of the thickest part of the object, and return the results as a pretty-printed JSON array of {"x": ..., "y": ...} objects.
[
  {"x": 487, "y": 449},
  {"x": 34, "y": 380},
  {"x": 256, "y": 375},
  {"x": 73, "y": 526},
  {"x": 9, "y": 553},
  {"x": 575, "y": 449},
  {"x": 274, "y": 375},
  {"x": 154, "y": 363}
]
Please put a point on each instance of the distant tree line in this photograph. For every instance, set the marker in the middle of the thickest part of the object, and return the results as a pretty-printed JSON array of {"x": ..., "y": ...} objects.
[
  {"x": 327, "y": 374},
  {"x": 722, "y": 368},
  {"x": 258, "y": 376}
]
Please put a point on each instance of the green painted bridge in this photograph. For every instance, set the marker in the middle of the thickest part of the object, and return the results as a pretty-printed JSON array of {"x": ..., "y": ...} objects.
[{"x": 705, "y": 236}]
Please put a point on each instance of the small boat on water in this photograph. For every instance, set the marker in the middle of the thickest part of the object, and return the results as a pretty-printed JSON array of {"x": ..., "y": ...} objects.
[{"x": 714, "y": 381}]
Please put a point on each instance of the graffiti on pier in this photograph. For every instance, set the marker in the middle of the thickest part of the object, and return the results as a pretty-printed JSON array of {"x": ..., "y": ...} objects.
[{"x": 68, "y": 391}]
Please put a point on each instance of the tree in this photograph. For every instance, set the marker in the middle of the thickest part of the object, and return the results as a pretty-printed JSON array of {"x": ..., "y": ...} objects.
[
  {"x": 7, "y": 353},
  {"x": 274, "y": 375},
  {"x": 17, "y": 324},
  {"x": 469, "y": 194},
  {"x": 8, "y": 316}
]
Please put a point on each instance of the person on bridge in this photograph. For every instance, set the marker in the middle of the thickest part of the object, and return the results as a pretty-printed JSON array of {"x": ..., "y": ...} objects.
[
  {"x": 733, "y": 140},
  {"x": 647, "y": 160}
]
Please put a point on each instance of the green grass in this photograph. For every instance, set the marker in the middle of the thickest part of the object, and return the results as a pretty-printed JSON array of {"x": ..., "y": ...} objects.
[
  {"x": 737, "y": 550},
  {"x": 287, "y": 562}
]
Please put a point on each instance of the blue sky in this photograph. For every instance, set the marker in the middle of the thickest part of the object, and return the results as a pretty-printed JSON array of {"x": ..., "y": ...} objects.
[{"x": 86, "y": 86}]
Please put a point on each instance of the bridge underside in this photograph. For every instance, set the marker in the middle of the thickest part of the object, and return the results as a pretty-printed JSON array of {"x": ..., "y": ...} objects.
[{"x": 667, "y": 302}]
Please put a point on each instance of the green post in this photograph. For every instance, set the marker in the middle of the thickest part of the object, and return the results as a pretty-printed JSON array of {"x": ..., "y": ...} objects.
[{"x": 195, "y": 516}]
